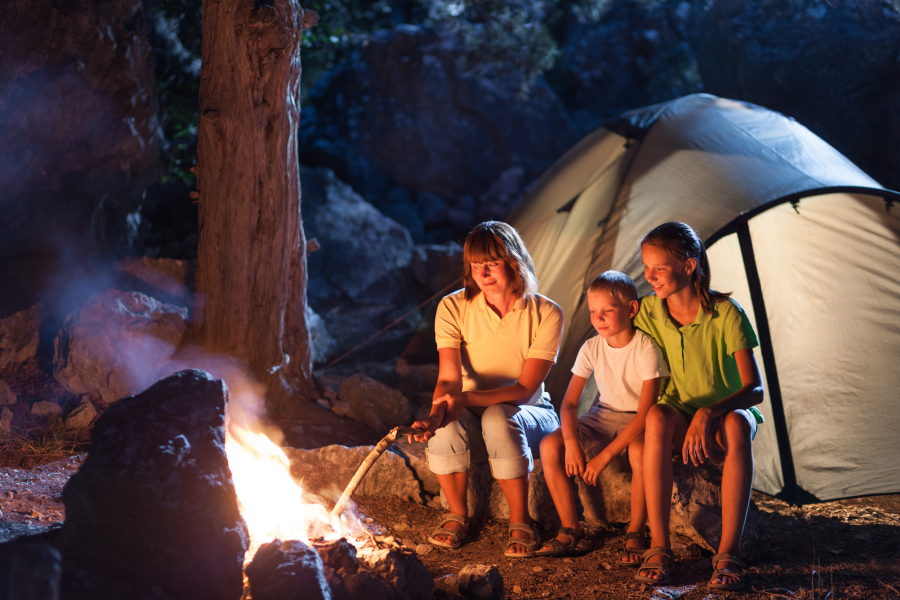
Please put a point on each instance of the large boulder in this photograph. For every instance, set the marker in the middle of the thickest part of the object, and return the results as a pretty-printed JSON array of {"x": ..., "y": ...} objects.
[
  {"x": 375, "y": 404},
  {"x": 359, "y": 245},
  {"x": 81, "y": 129},
  {"x": 154, "y": 507},
  {"x": 327, "y": 470},
  {"x": 634, "y": 54},
  {"x": 288, "y": 570},
  {"x": 116, "y": 344},
  {"x": 833, "y": 66},
  {"x": 403, "y": 116},
  {"x": 20, "y": 336}
]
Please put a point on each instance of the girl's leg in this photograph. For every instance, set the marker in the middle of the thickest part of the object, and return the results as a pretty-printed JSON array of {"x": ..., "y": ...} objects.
[
  {"x": 638, "y": 501},
  {"x": 553, "y": 460},
  {"x": 733, "y": 436},
  {"x": 665, "y": 430},
  {"x": 509, "y": 434}
]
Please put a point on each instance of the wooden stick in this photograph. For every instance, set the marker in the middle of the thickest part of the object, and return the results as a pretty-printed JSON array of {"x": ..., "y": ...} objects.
[{"x": 377, "y": 451}]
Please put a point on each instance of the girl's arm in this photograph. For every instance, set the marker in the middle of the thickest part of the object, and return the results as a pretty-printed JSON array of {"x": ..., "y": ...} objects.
[
  {"x": 635, "y": 427},
  {"x": 568, "y": 414},
  {"x": 696, "y": 441}
]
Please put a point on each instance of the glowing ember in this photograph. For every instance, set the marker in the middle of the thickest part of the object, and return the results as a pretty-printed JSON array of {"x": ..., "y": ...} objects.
[{"x": 273, "y": 504}]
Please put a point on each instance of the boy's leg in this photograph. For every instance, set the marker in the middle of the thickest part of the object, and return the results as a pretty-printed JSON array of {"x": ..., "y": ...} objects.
[
  {"x": 665, "y": 429},
  {"x": 734, "y": 437},
  {"x": 638, "y": 501},
  {"x": 553, "y": 460}
]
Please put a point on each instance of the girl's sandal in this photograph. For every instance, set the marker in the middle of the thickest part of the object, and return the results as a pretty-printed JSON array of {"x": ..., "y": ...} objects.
[
  {"x": 641, "y": 539},
  {"x": 533, "y": 543},
  {"x": 554, "y": 547},
  {"x": 664, "y": 570},
  {"x": 453, "y": 534},
  {"x": 739, "y": 585}
]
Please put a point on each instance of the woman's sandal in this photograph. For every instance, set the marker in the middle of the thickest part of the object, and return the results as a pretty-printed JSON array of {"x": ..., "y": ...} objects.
[
  {"x": 554, "y": 547},
  {"x": 453, "y": 534},
  {"x": 719, "y": 573},
  {"x": 640, "y": 538},
  {"x": 533, "y": 544},
  {"x": 666, "y": 571}
]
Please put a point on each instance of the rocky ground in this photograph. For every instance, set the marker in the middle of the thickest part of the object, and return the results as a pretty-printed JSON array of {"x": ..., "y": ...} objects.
[{"x": 844, "y": 549}]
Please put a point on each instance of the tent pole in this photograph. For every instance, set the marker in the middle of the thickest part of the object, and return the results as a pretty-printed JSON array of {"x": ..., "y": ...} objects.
[{"x": 790, "y": 491}]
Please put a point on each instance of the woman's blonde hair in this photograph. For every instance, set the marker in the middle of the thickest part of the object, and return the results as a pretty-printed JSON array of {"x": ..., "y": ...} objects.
[
  {"x": 498, "y": 241},
  {"x": 681, "y": 241}
]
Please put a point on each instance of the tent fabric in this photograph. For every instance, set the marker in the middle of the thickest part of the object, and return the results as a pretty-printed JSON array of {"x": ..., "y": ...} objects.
[{"x": 716, "y": 163}]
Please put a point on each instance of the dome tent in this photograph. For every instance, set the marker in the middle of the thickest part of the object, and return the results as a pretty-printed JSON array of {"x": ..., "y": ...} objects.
[{"x": 803, "y": 238}]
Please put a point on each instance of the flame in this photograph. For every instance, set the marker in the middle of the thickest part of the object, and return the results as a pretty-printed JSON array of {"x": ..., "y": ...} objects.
[{"x": 274, "y": 505}]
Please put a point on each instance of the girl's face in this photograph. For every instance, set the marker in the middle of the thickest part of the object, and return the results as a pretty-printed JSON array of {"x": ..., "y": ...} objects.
[
  {"x": 493, "y": 277},
  {"x": 664, "y": 272}
]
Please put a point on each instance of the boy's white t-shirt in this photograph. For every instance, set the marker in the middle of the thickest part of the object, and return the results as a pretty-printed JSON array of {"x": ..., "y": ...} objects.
[{"x": 620, "y": 372}]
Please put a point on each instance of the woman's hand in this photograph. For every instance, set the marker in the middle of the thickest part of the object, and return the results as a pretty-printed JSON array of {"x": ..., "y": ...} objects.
[
  {"x": 454, "y": 403},
  {"x": 696, "y": 440},
  {"x": 575, "y": 459},
  {"x": 594, "y": 467},
  {"x": 431, "y": 424}
]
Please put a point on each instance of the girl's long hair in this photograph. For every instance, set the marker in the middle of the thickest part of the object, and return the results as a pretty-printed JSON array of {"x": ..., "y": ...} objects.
[
  {"x": 495, "y": 240},
  {"x": 681, "y": 241}
]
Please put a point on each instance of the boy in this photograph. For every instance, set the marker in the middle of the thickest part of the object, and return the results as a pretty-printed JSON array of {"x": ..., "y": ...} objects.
[{"x": 628, "y": 368}]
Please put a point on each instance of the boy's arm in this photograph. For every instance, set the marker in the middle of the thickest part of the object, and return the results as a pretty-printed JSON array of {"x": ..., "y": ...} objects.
[
  {"x": 568, "y": 414},
  {"x": 649, "y": 396}
]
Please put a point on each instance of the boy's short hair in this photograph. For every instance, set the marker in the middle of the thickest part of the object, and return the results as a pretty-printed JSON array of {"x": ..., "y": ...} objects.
[{"x": 616, "y": 284}]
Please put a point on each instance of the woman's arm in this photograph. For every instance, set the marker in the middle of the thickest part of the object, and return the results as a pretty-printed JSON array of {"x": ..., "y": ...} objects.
[
  {"x": 751, "y": 394},
  {"x": 449, "y": 382}
]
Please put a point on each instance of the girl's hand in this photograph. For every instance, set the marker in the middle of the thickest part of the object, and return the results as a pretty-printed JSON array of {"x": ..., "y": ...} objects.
[
  {"x": 454, "y": 403},
  {"x": 574, "y": 459},
  {"x": 595, "y": 467},
  {"x": 696, "y": 440},
  {"x": 431, "y": 424}
]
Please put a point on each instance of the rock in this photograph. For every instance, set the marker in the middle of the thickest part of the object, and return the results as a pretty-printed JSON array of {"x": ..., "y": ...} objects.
[
  {"x": 359, "y": 244},
  {"x": 832, "y": 66},
  {"x": 82, "y": 415},
  {"x": 481, "y": 582},
  {"x": 7, "y": 396},
  {"x": 403, "y": 112},
  {"x": 374, "y": 404},
  {"x": 153, "y": 504},
  {"x": 365, "y": 585},
  {"x": 339, "y": 555},
  {"x": 20, "y": 335},
  {"x": 6, "y": 417},
  {"x": 166, "y": 279},
  {"x": 414, "y": 453},
  {"x": 402, "y": 569},
  {"x": 116, "y": 344},
  {"x": 287, "y": 571},
  {"x": 340, "y": 408},
  {"x": 437, "y": 265},
  {"x": 635, "y": 54},
  {"x": 324, "y": 347},
  {"x": 47, "y": 410},
  {"x": 81, "y": 129},
  {"x": 327, "y": 471},
  {"x": 424, "y": 549},
  {"x": 35, "y": 573}
]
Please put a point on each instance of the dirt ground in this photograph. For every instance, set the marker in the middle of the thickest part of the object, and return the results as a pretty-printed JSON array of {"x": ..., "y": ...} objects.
[{"x": 833, "y": 550}]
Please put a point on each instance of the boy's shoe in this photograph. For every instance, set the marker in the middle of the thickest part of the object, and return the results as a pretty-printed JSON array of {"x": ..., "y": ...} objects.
[
  {"x": 532, "y": 544},
  {"x": 667, "y": 570},
  {"x": 737, "y": 586},
  {"x": 641, "y": 539},
  {"x": 454, "y": 535},
  {"x": 554, "y": 547}
]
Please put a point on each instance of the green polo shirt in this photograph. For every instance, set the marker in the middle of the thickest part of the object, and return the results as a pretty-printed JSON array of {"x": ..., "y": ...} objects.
[{"x": 701, "y": 354}]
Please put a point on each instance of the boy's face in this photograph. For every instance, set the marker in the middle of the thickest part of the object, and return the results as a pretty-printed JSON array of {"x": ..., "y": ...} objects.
[{"x": 610, "y": 317}]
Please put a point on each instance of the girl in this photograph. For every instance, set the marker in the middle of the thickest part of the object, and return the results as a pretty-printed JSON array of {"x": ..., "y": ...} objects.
[
  {"x": 497, "y": 339},
  {"x": 706, "y": 410}
]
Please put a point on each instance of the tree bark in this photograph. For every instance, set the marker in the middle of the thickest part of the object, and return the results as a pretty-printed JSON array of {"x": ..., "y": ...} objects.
[{"x": 251, "y": 260}]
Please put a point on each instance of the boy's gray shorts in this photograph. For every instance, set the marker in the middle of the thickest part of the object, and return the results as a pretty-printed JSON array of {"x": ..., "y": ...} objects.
[{"x": 601, "y": 426}]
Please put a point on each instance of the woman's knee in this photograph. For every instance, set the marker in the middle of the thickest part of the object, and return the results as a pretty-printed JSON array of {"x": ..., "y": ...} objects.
[{"x": 452, "y": 439}]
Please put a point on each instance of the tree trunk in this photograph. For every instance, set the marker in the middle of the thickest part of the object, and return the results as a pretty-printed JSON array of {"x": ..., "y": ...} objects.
[{"x": 251, "y": 260}]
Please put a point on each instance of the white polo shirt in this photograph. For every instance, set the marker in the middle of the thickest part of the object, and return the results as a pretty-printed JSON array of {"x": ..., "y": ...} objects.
[{"x": 494, "y": 350}]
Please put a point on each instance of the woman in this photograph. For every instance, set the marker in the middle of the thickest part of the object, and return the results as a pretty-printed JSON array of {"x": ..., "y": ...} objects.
[{"x": 497, "y": 339}]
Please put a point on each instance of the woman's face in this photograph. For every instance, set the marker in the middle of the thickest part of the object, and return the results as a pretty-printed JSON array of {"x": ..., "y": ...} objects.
[
  {"x": 664, "y": 272},
  {"x": 494, "y": 278}
]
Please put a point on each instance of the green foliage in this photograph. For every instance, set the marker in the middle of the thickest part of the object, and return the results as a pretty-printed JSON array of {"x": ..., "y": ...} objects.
[{"x": 500, "y": 37}]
